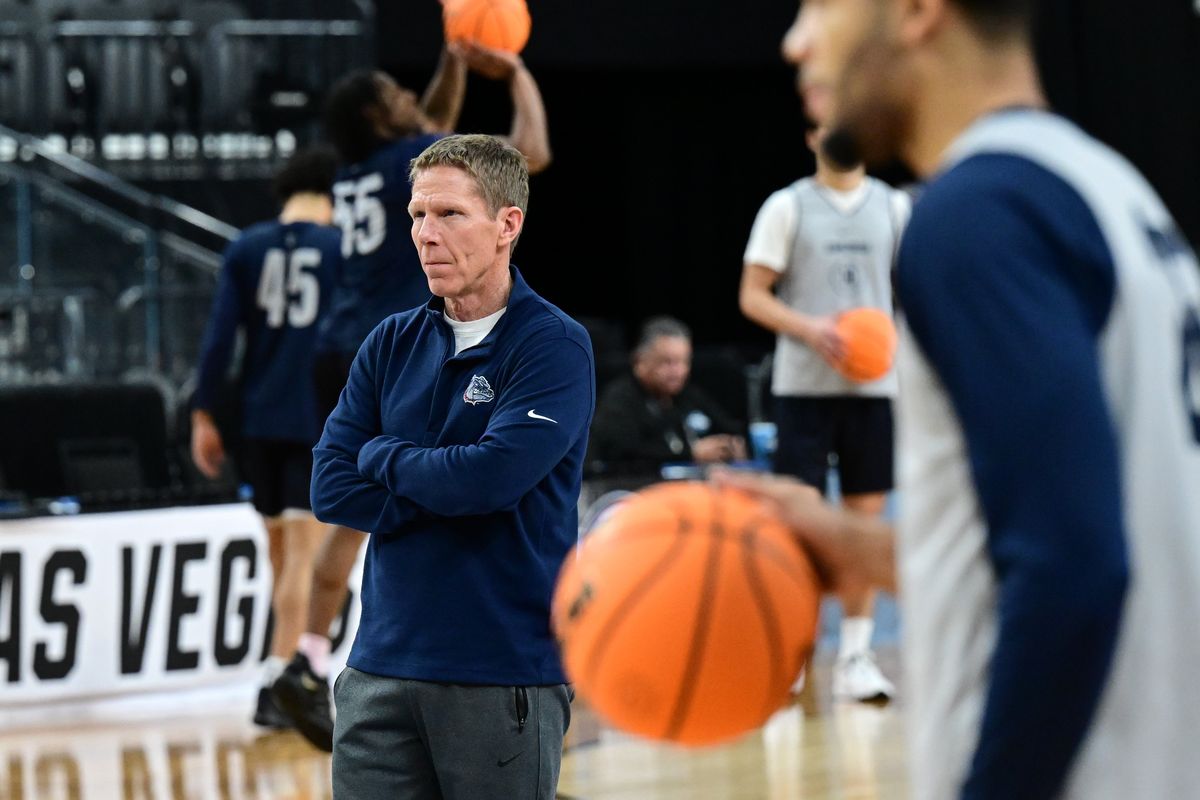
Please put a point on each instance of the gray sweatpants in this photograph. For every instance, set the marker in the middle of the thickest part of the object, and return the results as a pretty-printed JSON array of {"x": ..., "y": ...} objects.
[{"x": 417, "y": 740}]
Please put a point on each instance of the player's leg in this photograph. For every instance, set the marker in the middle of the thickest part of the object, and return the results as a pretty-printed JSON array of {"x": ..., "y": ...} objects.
[
  {"x": 804, "y": 442},
  {"x": 331, "y": 573},
  {"x": 864, "y": 442},
  {"x": 339, "y": 550},
  {"x": 303, "y": 688},
  {"x": 303, "y": 535},
  {"x": 274, "y": 526},
  {"x": 261, "y": 465}
]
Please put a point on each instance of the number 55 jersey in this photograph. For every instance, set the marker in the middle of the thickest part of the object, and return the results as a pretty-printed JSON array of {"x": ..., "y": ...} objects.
[
  {"x": 381, "y": 273},
  {"x": 1049, "y": 432}
]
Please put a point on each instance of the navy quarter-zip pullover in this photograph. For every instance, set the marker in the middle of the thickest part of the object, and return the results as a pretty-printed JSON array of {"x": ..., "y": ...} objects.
[{"x": 466, "y": 469}]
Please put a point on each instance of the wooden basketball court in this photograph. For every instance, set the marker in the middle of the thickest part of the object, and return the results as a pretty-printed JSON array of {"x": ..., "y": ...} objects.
[{"x": 812, "y": 749}]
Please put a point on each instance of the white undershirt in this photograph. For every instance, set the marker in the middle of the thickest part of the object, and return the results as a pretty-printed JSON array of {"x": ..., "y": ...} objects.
[
  {"x": 469, "y": 334},
  {"x": 774, "y": 231}
]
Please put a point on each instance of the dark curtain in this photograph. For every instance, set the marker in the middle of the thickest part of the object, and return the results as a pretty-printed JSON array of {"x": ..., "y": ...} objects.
[{"x": 672, "y": 120}]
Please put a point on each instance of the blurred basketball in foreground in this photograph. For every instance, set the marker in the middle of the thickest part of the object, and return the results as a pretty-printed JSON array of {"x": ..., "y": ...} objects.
[
  {"x": 687, "y": 614},
  {"x": 869, "y": 338},
  {"x": 499, "y": 24}
]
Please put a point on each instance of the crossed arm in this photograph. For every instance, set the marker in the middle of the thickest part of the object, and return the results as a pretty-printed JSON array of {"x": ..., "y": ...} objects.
[{"x": 372, "y": 481}]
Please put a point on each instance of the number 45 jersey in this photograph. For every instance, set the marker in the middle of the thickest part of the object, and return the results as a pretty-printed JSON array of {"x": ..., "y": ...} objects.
[
  {"x": 381, "y": 273},
  {"x": 1049, "y": 413},
  {"x": 275, "y": 285}
]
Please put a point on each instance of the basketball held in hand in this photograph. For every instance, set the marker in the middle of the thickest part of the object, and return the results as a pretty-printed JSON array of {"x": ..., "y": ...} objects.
[
  {"x": 497, "y": 24},
  {"x": 868, "y": 344},
  {"x": 686, "y": 615}
]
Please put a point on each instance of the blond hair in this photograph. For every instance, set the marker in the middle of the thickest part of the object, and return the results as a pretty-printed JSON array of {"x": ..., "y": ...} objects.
[{"x": 498, "y": 168}]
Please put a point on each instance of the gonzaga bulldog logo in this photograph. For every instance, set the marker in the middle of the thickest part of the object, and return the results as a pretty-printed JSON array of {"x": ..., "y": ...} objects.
[{"x": 479, "y": 391}]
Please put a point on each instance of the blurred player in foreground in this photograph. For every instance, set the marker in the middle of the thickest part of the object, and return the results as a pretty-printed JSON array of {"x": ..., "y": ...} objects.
[{"x": 1049, "y": 418}]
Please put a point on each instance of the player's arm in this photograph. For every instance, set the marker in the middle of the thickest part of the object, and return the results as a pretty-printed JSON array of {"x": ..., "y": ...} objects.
[
  {"x": 540, "y": 415},
  {"x": 764, "y": 263},
  {"x": 1006, "y": 297},
  {"x": 340, "y": 495},
  {"x": 846, "y": 547},
  {"x": 529, "y": 132},
  {"x": 208, "y": 451},
  {"x": 443, "y": 98}
]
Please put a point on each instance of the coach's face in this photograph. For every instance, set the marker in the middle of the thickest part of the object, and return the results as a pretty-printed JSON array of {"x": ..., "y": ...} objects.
[
  {"x": 854, "y": 74},
  {"x": 459, "y": 240}
]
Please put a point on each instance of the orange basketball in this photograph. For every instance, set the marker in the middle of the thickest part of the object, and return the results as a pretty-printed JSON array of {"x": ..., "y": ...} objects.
[
  {"x": 686, "y": 615},
  {"x": 869, "y": 338},
  {"x": 499, "y": 24}
]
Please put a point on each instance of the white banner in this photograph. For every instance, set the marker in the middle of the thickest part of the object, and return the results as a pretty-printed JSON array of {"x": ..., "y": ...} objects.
[{"x": 108, "y": 604}]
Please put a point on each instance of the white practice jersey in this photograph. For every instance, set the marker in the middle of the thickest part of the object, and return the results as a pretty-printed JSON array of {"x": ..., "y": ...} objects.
[{"x": 1049, "y": 461}]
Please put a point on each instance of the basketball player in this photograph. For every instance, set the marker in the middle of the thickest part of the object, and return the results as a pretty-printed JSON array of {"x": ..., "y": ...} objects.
[
  {"x": 1049, "y": 540},
  {"x": 459, "y": 443},
  {"x": 823, "y": 245},
  {"x": 378, "y": 127},
  {"x": 274, "y": 286}
]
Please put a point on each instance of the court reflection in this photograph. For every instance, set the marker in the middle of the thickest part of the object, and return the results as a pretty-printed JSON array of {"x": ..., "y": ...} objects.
[
  {"x": 807, "y": 750},
  {"x": 813, "y": 748},
  {"x": 199, "y": 759}
]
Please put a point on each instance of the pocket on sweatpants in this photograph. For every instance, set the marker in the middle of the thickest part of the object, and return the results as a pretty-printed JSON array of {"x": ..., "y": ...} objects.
[{"x": 338, "y": 681}]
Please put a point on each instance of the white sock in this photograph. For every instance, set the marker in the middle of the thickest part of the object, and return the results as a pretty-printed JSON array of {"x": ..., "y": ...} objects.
[
  {"x": 316, "y": 648},
  {"x": 272, "y": 669},
  {"x": 856, "y": 636}
]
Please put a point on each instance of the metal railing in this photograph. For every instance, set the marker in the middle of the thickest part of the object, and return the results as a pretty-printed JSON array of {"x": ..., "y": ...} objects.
[
  {"x": 32, "y": 151},
  {"x": 124, "y": 276}
]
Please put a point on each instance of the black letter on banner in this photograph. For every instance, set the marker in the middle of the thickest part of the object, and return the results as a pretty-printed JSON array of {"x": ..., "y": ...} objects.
[
  {"x": 10, "y": 586},
  {"x": 67, "y": 615},
  {"x": 228, "y": 656},
  {"x": 133, "y": 651},
  {"x": 181, "y": 606}
]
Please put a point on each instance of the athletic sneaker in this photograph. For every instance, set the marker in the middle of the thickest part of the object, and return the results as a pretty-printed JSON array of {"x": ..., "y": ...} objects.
[
  {"x": 267, "y": 713},
  {"x": 304, "y": 698},
  {"x": 858, "y": 678}
]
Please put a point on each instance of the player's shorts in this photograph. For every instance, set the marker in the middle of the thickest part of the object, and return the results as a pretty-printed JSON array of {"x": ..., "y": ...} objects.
[
  {"x": 279, "y": 472},
  {"x": 330, "y": 371},
  {"x": 858, "y": 430}
]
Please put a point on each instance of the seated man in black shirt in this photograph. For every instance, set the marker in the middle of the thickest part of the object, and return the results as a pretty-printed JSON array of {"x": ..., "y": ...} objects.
[{"x": 651, "y": 416}]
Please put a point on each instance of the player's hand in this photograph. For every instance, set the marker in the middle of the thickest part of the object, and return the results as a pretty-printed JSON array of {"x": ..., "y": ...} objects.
[
  {"x": 825, "y": 340},
  {"x": 711, "y": 449},
  {"x": 815, "y": 523},
  {"x": 208, "y": 451},
  {"x": 495, "y": 64}
]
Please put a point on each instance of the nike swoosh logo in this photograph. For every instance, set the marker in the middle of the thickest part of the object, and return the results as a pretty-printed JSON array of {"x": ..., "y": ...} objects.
[
  {"x": 505, "y": 762},
  {"x": 533, "y": 414}
]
